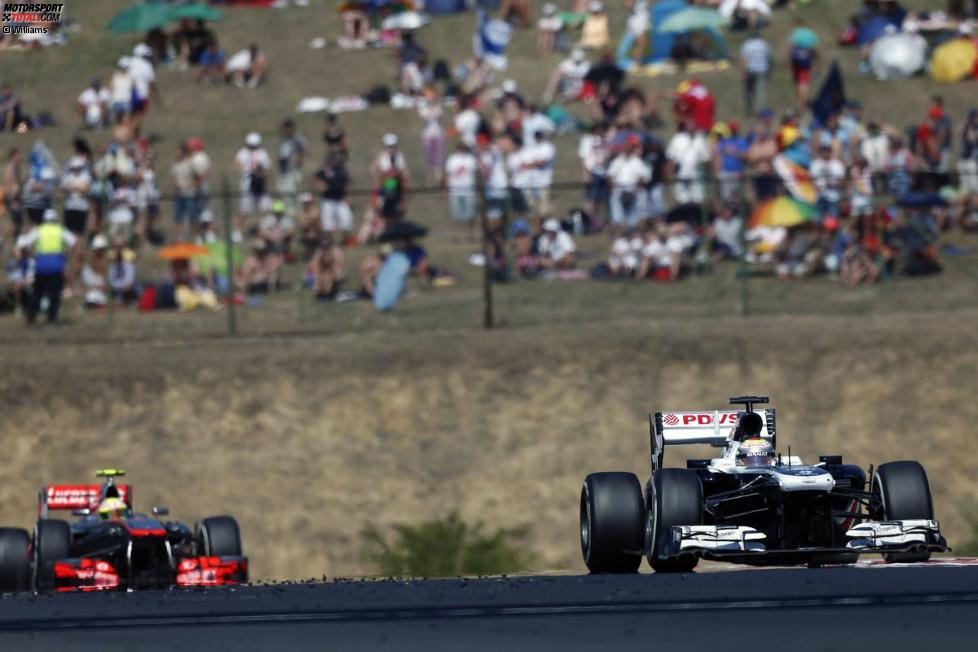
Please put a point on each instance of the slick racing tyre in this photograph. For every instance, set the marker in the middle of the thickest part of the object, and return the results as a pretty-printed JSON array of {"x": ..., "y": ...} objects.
[
  {"x": 15, "y": 561},
  {"x": 905, "y": 495},
  {"x": 676, "y": 498},
  {"x": 612, "y": 512},
  {"x": 219, "y": 536},
  {"x": 52, "y": 541}
]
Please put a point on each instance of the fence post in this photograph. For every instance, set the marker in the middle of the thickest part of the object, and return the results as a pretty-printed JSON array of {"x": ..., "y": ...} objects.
[{"x": 229, "y": 256}]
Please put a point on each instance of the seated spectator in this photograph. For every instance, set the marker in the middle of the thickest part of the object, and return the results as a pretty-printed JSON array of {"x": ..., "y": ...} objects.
[
  {"x": 260, "y": 271},
  {"x": 567, "y": 80},
  {"x": 11, "y": 115},
  {"x": 829, "y": 175},
  {"x": 20, "y": 276},
  {"x": 309, "y": 225},
  {"x": 594, "y": 33},
  {"x": 123, "y": 286},
  {"x": 94, "y": 274},
  {"x": 277, "y": 229},
  {"x": 94, "y": 105},
  {"x": 909, "y": 246},
  {"x": 801, "y": 254},
  {"x": 548, "y": 26},
  {"x": 121, "y": 217},
  {"x": 325, "y": 269},
  {"x": 247, "y": 67},
  {"x": 555, "y": 247},
  {"x": 726, "y": 234},
  {"x": 624, "y": 259},
  {"x": 212, "y": 62}
]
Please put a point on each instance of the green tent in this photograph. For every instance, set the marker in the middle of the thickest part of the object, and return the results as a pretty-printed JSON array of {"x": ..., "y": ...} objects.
[{"x": 141, "y": 18}]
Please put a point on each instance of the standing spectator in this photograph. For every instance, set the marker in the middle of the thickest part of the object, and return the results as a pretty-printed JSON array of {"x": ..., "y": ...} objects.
[
  {"x": 460, "y": 176},
  {"x": 94, "y": 105},
  {"x": 292, "y": 150},
  {"x": 144, "y": 82},
  {"x": 548, "y": 26},
  {"x": 694, "y": 104},
  {"x": 254, "y": 164},
  {"x": 467, "y": 121},
  {"x": 761, "y": 153},
  {"x": 10, "y": 111},
  {"x": 898, "y": 168},
  {"x": 627, "y": 172},
  {"x": 540, "y": 159},
  {"x": 567, "y": 80},
  {"x": 201, "y": 164},
  {"x": 120, "y": 89},
  {"x": 52, "y": 245},
  {"x": 638, "y": 27},
  {"x": 802, "y": 57},
  {"x": 874, "y": 148},
  {"x": 77, "y": 187},
  {"x": 729, "y": 161},
  {"x": 36, "y": 195},
  {"x": 594, "y": 32},
  {"x": 755, "y": 60},
  {"x": 432, "y": 135},
  {"x": 11, "y": 182},
  {"x": 520, "y": 176},
  {"x": 185, "y": 184},
  {"x": 595, "y": 154},
  {"x": 968, "y": 159},
  {"x": 687, "y": 152},
  {"x": 654, "y": 155},
  {"x": 492, "y": 167},
  {"x": 860, "y": 188},
  {"x": 391, "y": 180},
  {"x": 829, "y": 175},
  {"x": 556, "y": 247},
  {"x": 932, "y": 142},
  {"x": 335, "y": 213}
]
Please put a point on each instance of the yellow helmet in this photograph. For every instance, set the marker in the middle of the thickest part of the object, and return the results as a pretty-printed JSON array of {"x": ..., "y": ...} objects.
[{"x": 112, "y": 508}]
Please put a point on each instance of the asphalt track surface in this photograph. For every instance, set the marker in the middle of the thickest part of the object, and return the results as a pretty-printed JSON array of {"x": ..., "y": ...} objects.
[{"x": 920, "y": 608}]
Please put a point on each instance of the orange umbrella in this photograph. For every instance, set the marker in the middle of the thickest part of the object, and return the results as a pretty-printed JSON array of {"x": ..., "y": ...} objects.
[{"x": 182, "y": 251}]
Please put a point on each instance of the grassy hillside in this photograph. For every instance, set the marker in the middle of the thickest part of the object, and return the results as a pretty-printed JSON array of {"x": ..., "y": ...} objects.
[{"x": 309, "y": 439}]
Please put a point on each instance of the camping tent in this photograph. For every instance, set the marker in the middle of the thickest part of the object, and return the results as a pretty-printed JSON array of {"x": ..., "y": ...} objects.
[{"x": 661, "y": 44}]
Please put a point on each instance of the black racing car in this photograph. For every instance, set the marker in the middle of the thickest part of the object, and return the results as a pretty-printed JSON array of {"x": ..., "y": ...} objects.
[
  {"x": 752, "y": 505},
  {"x": 120, "y": 549}
]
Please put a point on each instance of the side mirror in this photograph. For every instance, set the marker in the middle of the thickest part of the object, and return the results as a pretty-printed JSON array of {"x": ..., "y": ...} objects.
[{"x": 160, "y": 510}]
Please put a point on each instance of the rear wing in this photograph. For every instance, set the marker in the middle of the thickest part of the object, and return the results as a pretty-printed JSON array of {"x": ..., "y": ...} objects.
[
  {"x": 76, "y": 496},
  {"x": 704, "y": 427}
]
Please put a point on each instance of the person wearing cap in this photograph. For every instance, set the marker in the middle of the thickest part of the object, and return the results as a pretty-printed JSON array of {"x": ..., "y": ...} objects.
[
  {"x": 756, "y": 58},
  {"x": 556, "y": 247},
  {"x": 277, "y": 229},
  {"x": 94, "y": 105},
  {"x": 567, "y": 80},
  {"x": 594, "y": 31},
  {"x": 461, "y": 169},
  {"x": 688, "y": 151},
  {"x": 120, "y": 91},
  {"x": 123, "y": 285},
  {"x": 628, "y": 174},
  {"x": 292, "y": 148},
  {"x": 144, "y": 82},
  {"x": 76, "y": 184},
  {"x": 201, "y": 164},
  {"x": 95, "y": 272},
  {"x": 254, "y": 164},
  {"x": 639, "y": 21},
  {"x": 729, "y": 161},
  {"x": 391, "y": 181},
  {"x": 51, "y": 244},
  {"x": 548, "y": 26}
]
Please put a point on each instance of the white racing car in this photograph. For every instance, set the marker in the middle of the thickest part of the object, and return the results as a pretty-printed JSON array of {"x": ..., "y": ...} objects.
[{"x": 752, "y": 505}]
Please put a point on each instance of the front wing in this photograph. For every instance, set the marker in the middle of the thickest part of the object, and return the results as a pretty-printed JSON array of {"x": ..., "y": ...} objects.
[{"x": 87, "y": 574}]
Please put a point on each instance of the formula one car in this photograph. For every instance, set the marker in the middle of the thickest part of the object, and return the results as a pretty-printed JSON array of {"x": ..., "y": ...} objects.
[
  {"x": 111, "y": 547},
  {"x": 752, "y": 505}
]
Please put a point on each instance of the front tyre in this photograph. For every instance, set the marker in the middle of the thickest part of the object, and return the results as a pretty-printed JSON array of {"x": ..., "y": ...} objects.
[
  {"x": 612, "y": 514},
  {"x": 904, "y": 495},
  {"x": 676, "y": 498},
  {"x": 52, "y": 541},
  {"x": 15, "y": 561},
  {"x": 219, "y": 536}
]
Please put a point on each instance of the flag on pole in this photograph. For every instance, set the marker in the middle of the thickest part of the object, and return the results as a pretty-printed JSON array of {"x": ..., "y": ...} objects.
[{"x": 490, "y": 40}]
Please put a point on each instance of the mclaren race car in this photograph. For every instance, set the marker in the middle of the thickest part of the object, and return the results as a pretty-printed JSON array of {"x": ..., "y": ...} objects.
[
  {"x": 752, "y": 505},
  {"x": 111, "y": 547}
]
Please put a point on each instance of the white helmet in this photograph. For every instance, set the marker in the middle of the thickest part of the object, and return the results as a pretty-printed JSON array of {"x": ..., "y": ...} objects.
[{"x": 755, "y": 452}]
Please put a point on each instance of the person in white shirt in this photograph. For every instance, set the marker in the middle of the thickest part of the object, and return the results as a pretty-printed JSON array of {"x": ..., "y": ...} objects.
[
  {"x": 555, "y": 246},
  {"x": 144, "y": 80},
  {"x": 567, "y": 80},
  {"x": 594, "y": 151},
  {"x": 535, "y": 122},
  {"x": 540, "y": 161},
  {"x": 623, "y": 261},
  {"x": 520, "y": 177},
  {"x": 688, "y": 151},
  {"x": 829, "y": 175},
  {"x": 467, "y": 121},
  {"x": 121, "y": 91},
  {"x": 77, "y": 185},
  {"x": 548, "y": 26},
  {"x": 461, "y": 168},
  {"x": 254, "y": 164},
  {"x": 492, "y": 167},
  {"x": 93, "y": 105},
  {"x": 727, "y": 232},
  {"x": 628, "y": 172}
]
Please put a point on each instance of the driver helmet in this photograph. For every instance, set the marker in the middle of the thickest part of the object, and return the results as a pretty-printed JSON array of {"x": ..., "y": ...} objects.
[
  {"x": 755, "y": 452},
  {"x": 111, "y": 509}
]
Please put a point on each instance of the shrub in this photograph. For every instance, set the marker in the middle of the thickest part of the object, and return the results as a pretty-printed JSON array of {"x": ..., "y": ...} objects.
[{"x": 446, "y": 547}]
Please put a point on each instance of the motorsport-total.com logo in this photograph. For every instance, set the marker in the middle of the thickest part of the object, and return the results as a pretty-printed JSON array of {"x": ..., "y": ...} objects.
[{"x": 28, "y": 17}]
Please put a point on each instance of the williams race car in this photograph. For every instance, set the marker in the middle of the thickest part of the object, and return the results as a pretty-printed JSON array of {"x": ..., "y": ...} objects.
[
  {"x": 752, "y": 505},
  {"x": 111, "y": 547}
]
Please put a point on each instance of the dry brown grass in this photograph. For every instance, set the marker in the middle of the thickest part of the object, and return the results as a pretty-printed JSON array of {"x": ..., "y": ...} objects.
[{"x": 309, "y": 439}]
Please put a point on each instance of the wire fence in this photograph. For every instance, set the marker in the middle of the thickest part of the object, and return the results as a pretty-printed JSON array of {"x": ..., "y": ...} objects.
[{"x": 227, "y": 218}]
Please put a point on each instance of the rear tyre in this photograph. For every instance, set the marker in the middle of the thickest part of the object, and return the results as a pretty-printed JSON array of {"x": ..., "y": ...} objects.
[
  {"x": 219, "y": 536},
  {"x": 905, "y": 495},
  {"x": 52, "y": 541},
  {"x": 676, "y": 498},
  {"x": 15, "y": 560},
  {"x": 612, "y": 512}
]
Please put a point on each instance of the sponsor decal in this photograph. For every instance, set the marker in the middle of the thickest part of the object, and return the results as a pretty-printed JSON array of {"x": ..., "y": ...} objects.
[{"x": 699, "y": 419}]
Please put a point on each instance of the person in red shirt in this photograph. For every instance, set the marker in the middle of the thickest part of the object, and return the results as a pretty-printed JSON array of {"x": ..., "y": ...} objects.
[{"x": 695, "y": 102}]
